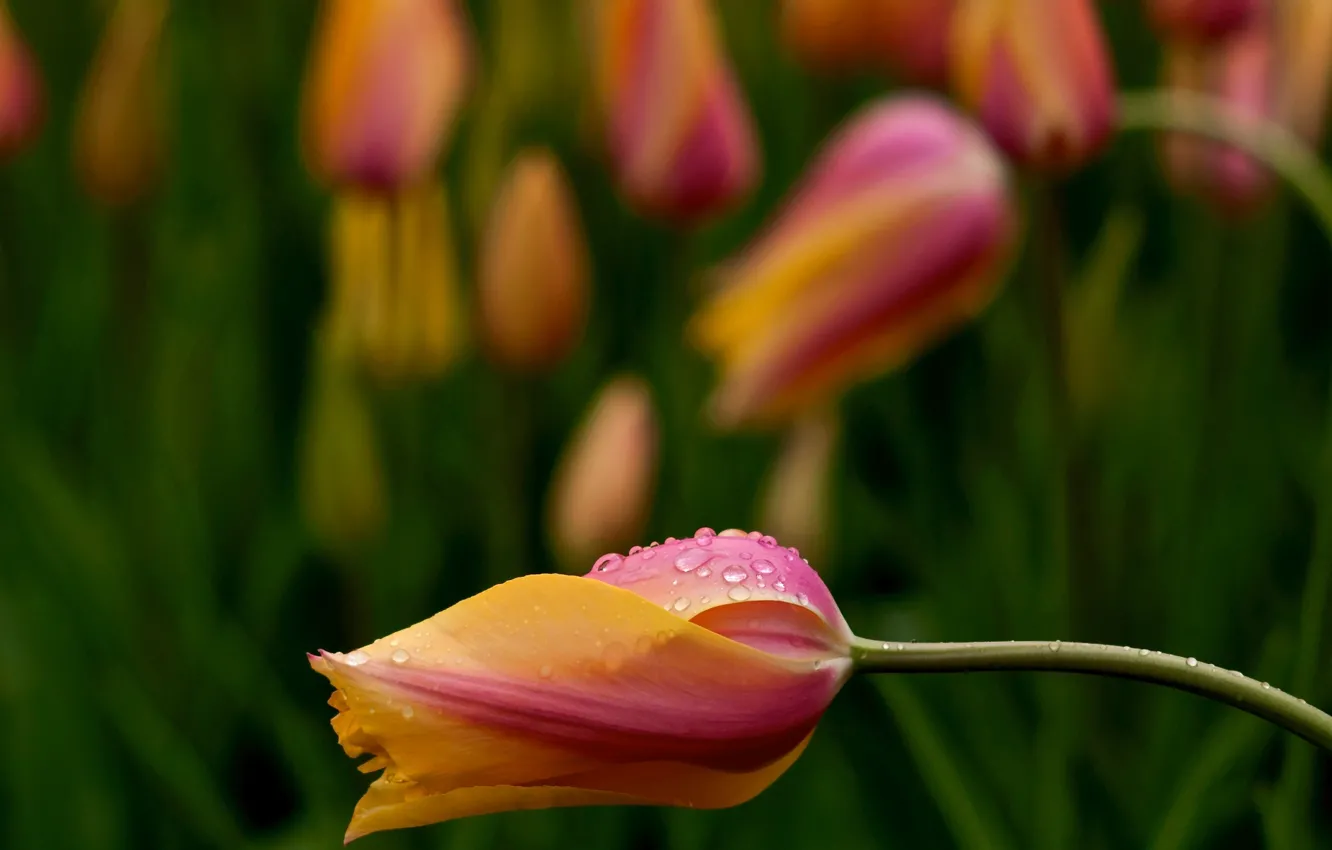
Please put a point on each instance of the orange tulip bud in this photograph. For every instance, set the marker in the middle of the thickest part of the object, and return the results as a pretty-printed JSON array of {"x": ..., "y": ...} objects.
[
  {"x": 532, "y": 285},
  {"x": 22, "y": 97},
  {"x": 119, "y": 131},
  {"x": 1203, "y": 20},
  {"x": 602, "y": 489},
  {"x": 1304, "y": 29},
  {"x": 907, "y": 37},
  {"x": 385, "y": 82}
]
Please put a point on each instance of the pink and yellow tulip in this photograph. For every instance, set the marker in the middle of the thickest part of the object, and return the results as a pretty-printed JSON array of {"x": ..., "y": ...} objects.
[
  {"x": 1038, "y": 75},
  {"x": 898, "y": 234},
  {"x": 687, "y": 674},
  {"x": 907, "y": 37},
  {"x": 22, "y": 96},
  {"x": 1304, "y": 32},
  {"x": 1202, "y": 20},
  {"x": 385, "y": 82},
  {"x": 680, "y": 136}
]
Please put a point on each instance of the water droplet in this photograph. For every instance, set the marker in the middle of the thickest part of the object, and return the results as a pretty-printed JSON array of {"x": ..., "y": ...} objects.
[
  {"x": 704, "y": 536},
  {"x": 1191, "y": 661},
  {"x": 675, "y": 582},
  {"x": 802, "y": 599},
  {"x": 393, "y": 642},
  {"x": 356, "y": 659},
  {"x": 670, "y": 540},
  {"x": 545, "y": 671},
  {"x": 755, "y": 535},
  {"x": 606, "y": 563},
  {"x": 1237, "y": 674},
  {"x": 1128, "y": 649},
  {"x": 763, "y": 566},
  {"x": 653, "y": 545},
  {"x": 680, "y": 604},
  {"x": 704, "y": 601},
  {"x": 746, "y": 555},
  {"x": 649, "y": 554},
  {"x": 1301, "y": 701},
  {"x": 734, "y": 574},
  {"x": 732, "y": 532},
  {"x": 1144, "y": 652},
  {"x": 408, "y": 712},
  {"x": 635, "y": 550},
  {"x": 704, "y": 572},
  {"x": 761, "y": 583},
  {"x": 887, "y": 645},
  {"x": 1054, "y": 647},
  {"x": 690, "y": 559},
  {"x": 901, "y": 647},
  {"x": 779, "y": 585},
  {"x": 400, "y": 656},
  {"x": 767, "y": 541},
  {"x": 739, "y": 593}
]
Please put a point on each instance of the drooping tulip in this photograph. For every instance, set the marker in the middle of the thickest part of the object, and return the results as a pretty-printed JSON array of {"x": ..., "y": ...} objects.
[
  {"x": 680, "y": 136},
  {"x": 602, "y": 489},
  {"x": 532, "y": 284},
  {"x": 119, "y": 135},
  {"x": 1202, "y": 20},
  {"x": 385, "y": 82},
  {"x": 1038, "y": 75},
  {"x": 394, "y": 304},
  {"x": 1304, "y": 32},
  {"x": 688, "y": 674},
  {"x": 898, "y": 234},
  {"x": 907, "y": 37},
  {"x": 796, "y": 497},
  {"x": 22, "y": 97},
  {"x": 1239, "y": 72}
]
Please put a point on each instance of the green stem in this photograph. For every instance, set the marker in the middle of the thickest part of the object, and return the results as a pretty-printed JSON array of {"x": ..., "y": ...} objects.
[{"x": 1216, "y": 683}]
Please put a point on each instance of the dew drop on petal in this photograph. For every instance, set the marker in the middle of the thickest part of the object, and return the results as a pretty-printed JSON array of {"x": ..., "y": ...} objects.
[
  {"x": 705, "y": 532},
  {"x": 767, "y": 541},
  {"x": 545, "y": 671},
  {"x": 1054, "y": 647},
  {"x": 356, "y": 659},
  {"x": 802, "y": 599},
  {"x": 680, "y": 604},
  {"x": 734, "y": 574},
  {"x": 779, "y": 585},
  {"x": 763, "y": 566},
  {"x": 408, "y": 712},
  {"x": 1266, "y": 686},
  {"x": 399, "y": 656},
  {"x": 704, "y": 572},
  {"x": 635, "y": 550},
  {"x": 704, "y": 601},
  {"x": 1192, "y": 662},
  {"x": 393, "y": 642},
  {"x": 1144, "y": 652},
  {"x": 648, "y": 554},
  {"x": 606, "y": 563},
  {"x": 690, "y": 559},
  {"x": 739, "y": 593},
  {"x": 670, "y": 540},
  {"x": 746, "y": 555}
]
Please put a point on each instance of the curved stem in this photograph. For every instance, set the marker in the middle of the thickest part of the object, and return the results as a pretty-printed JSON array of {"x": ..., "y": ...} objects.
[
  {"x": 1264, "y": 140},
  {"x": 1228, "y": 686}
]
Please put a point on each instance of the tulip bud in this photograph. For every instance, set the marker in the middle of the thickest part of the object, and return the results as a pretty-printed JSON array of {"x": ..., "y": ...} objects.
[
  {"x": 1239, "y": 72},
  {"x": 384, "y": 85},
  {"x": 795, "y": 505},
  {"x": 681, "y": 139},
  {"x": 898, "y": 234},
  {"x": 907, "y": 37},
  {"x": 689, "y": 674},
  {"x": 1038, "y": 75},
  {"x": 532, "y": 285},
  {"x": 119, "y": 131},
  {"x": 1202, "y": 20},
  {"x": 342, "y": 490},
  {"x": 1305, "y": 38},
  {"x": 602, "y": 490},
  {"x": 22, "y": 98},
  {"x": 394, "y": 304}
]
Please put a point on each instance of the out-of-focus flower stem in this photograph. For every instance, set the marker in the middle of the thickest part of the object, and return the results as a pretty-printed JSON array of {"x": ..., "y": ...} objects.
[
  {"x": 1283, "y": 152},
  {"x": 507, "y": 431},
  {"x": 1185, "y": 674}
]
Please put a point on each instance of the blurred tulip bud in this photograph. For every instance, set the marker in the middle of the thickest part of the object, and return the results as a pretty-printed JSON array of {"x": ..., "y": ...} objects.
[
  {"x": 532, "y": 284},
  {"x": 602, "y": 490},
  {"x": 795, "y": 506},
  {"x": 22, "y": 97},
  {"x": 1238, "y": 71},
  {"x": 907, "y": 37},
  {"x": 394, "y": 304},
  {"x": 1305, "y": 33},
  {"x": 898, "y": 234},
  {"x": 1038, "y": 74},
  {"x": 384, "y": 85},
  {"x": 343, "y": 495},
  {"x": 681, "y": 139},
  {"x": 119, "y": 134},
  {"x": 1203, "y": 20}
]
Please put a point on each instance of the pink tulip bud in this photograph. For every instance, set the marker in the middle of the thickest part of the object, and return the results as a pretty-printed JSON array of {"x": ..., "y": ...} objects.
[
  {"x": 119, "y": 132},
  {"x": 681, "y": 139},
  {"x": 1038, "y": 74},
  {"x": 897, "y": 235},
  {"x": 1238, "y": 71},
  {"x": 1304, "y": 32},
  {"x": 532, "y": 284},
  {"x": 22, "y": 97},
  {"x": 602, "y": 489},
  {"x": 1202, "y": 20},
  {"x": 909, "y": 38},
  {"x": 687, "y": 674},
  {"x": 385, "y": 82}
]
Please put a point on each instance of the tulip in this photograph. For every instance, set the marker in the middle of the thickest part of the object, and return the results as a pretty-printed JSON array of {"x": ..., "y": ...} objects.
[
  {"x": 688, "y": 674},
  {"x": 394, "y": 305},
  {"x": 795, "y": 501},
  {"x": 532, "y": 285},
  {"x": 907, "y": 37},
  {"x": 1038, "y": 75},
  {"x": 22, "y": 98},
  {"x": 1239, "y": 72},
  {"x": 602, "y": 489},
  {"x": 118, "y": 135},
  {"x": 1305, "y": 31},
  {"x": 1203, "y": 20},
  {"x": 384, "y": 85},
  {"x": 896, "y": 236},
  {"x": 681, "y": 140}
]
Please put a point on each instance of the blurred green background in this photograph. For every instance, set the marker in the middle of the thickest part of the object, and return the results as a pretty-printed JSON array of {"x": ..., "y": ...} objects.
[{"x": 158, "y": 587}]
